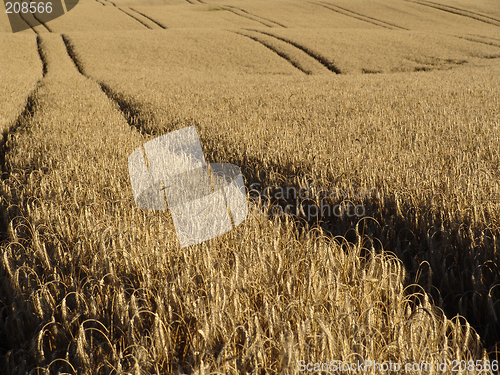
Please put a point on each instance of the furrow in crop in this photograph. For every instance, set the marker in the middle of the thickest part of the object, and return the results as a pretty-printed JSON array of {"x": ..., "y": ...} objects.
[
  {"x": 458, "y": 12},
  {"x": 267, "y": 24},
  {"x": 489, "y": 37},
  {"x": 71, "y": 52},
  {"x": 256, "y": 16},
  {"x": 62, "y": 124},
  {"x": 42, "y": 55},
  {"x": 131, "y": 15},
  {"x": 465, "y": 11},
  {"x": 479, "y": 41},
  {"x": 371, "y": 18},
  {"x": 323, "y": 60},
  {"x": 28, "y": 110},
  {"x": 26, "y": 113},
  {"x": 27, "y": 23},
  {"x": 149, "y": 18},
  {"x": 351, "y": 14},
  {"x": 42, "y": 23},
  {"x": 485, "y": 37},
  {"x": 130, "y": 113},
  {"x": 31, "y": 22},
  {"x": 277, "y": 51},
  {"x": 32, "y": 27},
  {"x": 134, "y": 17}
]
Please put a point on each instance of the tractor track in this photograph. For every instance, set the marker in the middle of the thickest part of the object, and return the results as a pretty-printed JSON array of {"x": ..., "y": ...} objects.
[
  {"x": 29, "y": 24},
  {"x": 27, "y": 112},
  {"x": 149, "y": 18},
  {"x": 136, "y": 18},
  {"x": 130, "y": 12},
  {"x": 478, "y": 41},
  {"x": 71, "y": 53},
  {"x": 255, "y": 17},
  {"x": 358, "y": 16},
  {"x": 468, "y": 11},
  {"x": 315, "y": 55},
  {"x": 230, "y": 9},
  {"x": 133, "y": 17},
  {"x": 458, "y": 12},
  {"x": 281, "y": 54},
  {"x": 130, "y": 113},
  {"x": 30, "y": 108},
  {"x": 61, "y": 99},
  {"x": 42, "y": 23}
]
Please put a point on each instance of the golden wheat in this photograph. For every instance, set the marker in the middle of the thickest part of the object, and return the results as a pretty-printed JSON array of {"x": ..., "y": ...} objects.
[{"x": 20, "y": 68}]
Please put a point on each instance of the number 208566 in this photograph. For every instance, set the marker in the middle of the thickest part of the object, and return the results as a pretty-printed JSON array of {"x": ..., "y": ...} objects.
[{"x": 25, "y": 7}]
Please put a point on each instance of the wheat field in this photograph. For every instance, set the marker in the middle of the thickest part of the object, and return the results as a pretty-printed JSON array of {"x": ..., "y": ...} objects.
[{"x": 397, "y": 98}]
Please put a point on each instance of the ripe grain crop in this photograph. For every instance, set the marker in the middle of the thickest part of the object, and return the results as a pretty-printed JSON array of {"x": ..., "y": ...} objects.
[
  {"x": 298, "y": 58},
  {"x": 113, "y": 293},
  {"x": 428, "y": 141},
  {"x": 186, "y": 53},
  {"x": 90, "y": 283},
  {"x": 184, "y": 16},
  {"x": 386, "y": 51},
  {"x": 90, "y": 16},
  {"x": 418, "y": 14},
  {"x": 488, "y": 9},
  {"x": 223, "y": 14},
  {"x": 95, "y": 284},
  {"x": 20, "y": 68}
]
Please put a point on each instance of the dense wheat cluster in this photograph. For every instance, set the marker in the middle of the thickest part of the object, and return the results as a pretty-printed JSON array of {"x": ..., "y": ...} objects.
[{"x": 399, "y": 99}]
